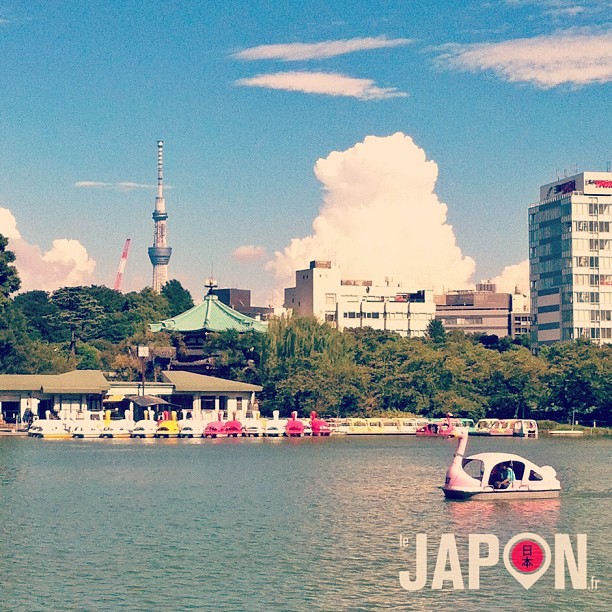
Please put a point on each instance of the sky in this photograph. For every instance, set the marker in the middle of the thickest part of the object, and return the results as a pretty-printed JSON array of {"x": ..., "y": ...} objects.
[{"x": 401, "y": 139}]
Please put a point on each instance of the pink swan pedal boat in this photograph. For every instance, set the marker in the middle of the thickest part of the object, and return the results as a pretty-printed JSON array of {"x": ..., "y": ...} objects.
[
  {"x": 318, "y": 426},
  {"x": 294, "y": 428},
  {"x": 478, "y": 476}
]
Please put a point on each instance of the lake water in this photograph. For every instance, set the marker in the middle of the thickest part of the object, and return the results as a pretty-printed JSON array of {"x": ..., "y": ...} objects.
[{"x": 265, "y": 524}]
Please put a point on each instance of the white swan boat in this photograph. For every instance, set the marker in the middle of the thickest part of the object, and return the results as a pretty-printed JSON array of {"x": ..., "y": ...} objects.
[
  {"x": 51, "y": 429},
  {"x": 87, "y": 429},
  {"x": 145, "y": 428},
  {"x": 497, "y": 476}
]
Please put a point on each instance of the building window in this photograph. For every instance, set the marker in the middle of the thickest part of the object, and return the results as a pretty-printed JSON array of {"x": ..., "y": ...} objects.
[{"x": 582, "y": 297}]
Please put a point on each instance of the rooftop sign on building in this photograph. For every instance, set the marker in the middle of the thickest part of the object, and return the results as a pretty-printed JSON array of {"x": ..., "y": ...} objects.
[{"x": 588, "y": 183}]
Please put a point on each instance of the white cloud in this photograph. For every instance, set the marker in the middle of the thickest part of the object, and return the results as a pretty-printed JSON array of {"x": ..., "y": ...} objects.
[
  {"x": 330, "y": 48},
  {"x": 65, "y": 264},
  {"x": 576, "y": 58},
  {"x": 512, "y": 277},
  {"x": 248, "y": 252},
  {"x": 562, "y": 8},
  {"x": 8, "y": 224},
  {"x": 122, "y": 186},
  {"x": 326, "y": 83},
  {"x": 380, "y": 218}
]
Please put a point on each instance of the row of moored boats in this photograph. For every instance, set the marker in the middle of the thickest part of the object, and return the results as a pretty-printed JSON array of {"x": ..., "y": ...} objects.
[
  {"x": 206, "y": 425},
  {"x": 216, "y": 424}
]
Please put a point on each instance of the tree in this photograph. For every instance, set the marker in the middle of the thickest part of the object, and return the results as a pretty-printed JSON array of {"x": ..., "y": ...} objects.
[
  {"x": 578, "y": 381},
  {"x": 179, "y": 299},
  {"x": 88, "y": 357},
  {"x": 436, "y": 332},
  {"x": 14, "y": 341},
  {"x": 516, "y": 386},
  {"x": 42, "y": 316},
  {"x": 80, "y": 311},
  {"x": 145, "y": 307},
  {"x": 9, "y": 278}
]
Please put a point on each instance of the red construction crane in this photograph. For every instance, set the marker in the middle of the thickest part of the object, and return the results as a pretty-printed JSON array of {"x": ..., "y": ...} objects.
[{"x": 121, "y": 268}]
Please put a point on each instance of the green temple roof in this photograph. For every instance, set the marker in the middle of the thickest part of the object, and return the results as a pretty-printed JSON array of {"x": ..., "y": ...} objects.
[{"x": 210, "y": 315}]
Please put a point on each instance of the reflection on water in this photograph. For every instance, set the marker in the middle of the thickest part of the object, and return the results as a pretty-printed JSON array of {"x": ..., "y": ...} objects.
[
  {"x": 266, "y": 524},
  {"x": 520, "y": 515}
]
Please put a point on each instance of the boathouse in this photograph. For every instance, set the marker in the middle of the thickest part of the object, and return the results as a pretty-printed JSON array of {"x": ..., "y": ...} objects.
[{"x": 74, "y": 394}]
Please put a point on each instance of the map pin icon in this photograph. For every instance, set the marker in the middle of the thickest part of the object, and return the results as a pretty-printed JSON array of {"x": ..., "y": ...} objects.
[{"x": 527, "y": 557}]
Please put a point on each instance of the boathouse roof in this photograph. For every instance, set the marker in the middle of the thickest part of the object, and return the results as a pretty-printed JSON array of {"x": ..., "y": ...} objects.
[
  {"x": 188, "y": 382},
  {"x": 77, "y": 381},
  {"x": 210, "y": 315},
  {"x": 93, "y": 382}
]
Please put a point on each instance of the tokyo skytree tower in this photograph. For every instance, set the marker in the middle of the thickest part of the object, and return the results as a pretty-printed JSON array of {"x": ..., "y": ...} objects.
[{"x": 160, "y": 252}]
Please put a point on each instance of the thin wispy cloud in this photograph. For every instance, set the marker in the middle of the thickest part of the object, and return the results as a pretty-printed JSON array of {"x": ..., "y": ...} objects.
[
  {"x": 123, "y": 186},
  {"x": 562, "y": 10},
  {"x": 292, "y": 52},
  {"x": 324, "y": 83},
  {"x": 570, "y": 58}
]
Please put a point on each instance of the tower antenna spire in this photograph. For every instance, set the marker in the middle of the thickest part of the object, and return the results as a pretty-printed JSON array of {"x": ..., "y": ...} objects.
[{"x": 160, "y": 252}]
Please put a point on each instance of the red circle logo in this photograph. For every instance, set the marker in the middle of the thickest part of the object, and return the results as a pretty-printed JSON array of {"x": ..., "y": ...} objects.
[{"x": 526, "y": 556}]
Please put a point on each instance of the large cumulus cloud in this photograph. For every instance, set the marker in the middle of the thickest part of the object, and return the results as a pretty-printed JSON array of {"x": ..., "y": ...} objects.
[{"x": 381, "y": 218}]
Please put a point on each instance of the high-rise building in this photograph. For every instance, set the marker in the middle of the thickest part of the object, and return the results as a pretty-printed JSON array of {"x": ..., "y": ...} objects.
[
  {"x": 570, "y": 260},
  {"x": 160, "y": 252}
]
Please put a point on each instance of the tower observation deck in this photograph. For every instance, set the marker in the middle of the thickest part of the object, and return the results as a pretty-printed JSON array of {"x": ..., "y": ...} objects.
[{"x": 160, "y": 252}]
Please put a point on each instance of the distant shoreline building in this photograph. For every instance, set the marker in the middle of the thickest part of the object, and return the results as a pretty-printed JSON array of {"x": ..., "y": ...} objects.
[
  {"x": 240, "y": 300},
  {"x": 570, "y": 260},
  {"x": 160, "y": 252},
  {"x": 320, "y": 291},
  {"x": 484, "y": 311}
]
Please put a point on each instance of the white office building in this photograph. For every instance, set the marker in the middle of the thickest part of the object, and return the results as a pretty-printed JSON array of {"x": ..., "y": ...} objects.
[
  {"x": 570, "y": 259},
  {"x": 320, "y": 291}
]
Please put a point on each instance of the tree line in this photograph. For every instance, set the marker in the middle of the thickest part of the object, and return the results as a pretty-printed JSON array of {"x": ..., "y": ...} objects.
[{"x": 306, "y": 365}]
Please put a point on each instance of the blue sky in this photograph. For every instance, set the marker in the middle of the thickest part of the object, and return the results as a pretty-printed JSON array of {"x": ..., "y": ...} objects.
[{"x": 502, "y": 95}]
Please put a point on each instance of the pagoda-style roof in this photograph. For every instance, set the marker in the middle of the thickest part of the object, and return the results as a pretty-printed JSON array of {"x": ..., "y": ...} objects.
[{"x": 210, "y": 315}]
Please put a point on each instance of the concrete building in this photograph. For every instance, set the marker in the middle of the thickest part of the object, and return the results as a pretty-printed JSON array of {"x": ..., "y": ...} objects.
[
  {"x": 240, "y": 300},
  {"x": 320, "y": 291},
  {"x": 520, "y": 317},
  {"x": 570, "y": 260},
  {"x": 483, "y": 311}
]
